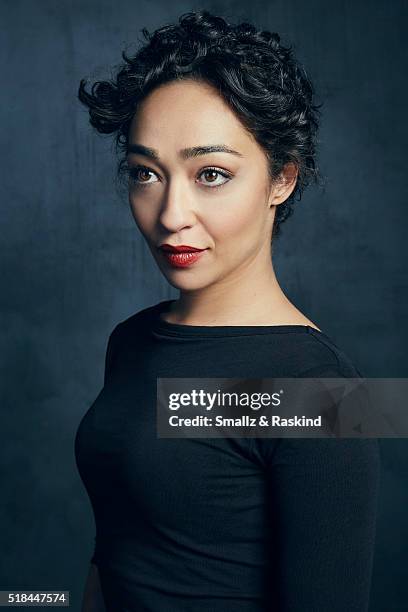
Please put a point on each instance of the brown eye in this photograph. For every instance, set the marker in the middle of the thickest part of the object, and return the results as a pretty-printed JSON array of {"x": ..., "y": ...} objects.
[
  {"x": 212, "y": 175},
  {"x": 143, "y": 174},
  {"x": 140, "y": 175}
]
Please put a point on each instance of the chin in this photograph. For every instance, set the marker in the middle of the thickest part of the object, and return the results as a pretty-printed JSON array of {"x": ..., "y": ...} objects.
[{"x": 185, "y": 282}]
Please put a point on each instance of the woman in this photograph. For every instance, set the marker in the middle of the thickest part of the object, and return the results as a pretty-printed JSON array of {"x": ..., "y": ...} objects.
[{"x": 217, "y": 127}]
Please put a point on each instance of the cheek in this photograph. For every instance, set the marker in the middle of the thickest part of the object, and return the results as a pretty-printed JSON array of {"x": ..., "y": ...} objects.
[
  {"x": 228, "y": 224},
  {"x": 240, "y": 221},
  {"x": 144, "y": 215}
]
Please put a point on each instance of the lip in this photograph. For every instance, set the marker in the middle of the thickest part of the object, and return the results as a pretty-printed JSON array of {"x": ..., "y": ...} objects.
[
  {"x": 182, "y": 248},
  {"x": 182, "y": 259}
]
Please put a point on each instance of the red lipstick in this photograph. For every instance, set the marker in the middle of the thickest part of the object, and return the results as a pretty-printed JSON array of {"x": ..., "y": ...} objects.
[{"x": 182, "y": 255}]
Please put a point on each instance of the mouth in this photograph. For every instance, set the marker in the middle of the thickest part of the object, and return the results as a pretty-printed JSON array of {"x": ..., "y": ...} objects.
[
  {"x": 181, "y": 256},
  {"x": 182, "y": 248}
]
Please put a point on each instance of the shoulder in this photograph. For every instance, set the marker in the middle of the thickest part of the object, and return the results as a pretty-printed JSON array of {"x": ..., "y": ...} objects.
[
  {"x": 323, "y": 357},
  {"x": 135, "y": 323},
  {"x": 302, "y": 351},
  {"x": 126, "y": 336}
]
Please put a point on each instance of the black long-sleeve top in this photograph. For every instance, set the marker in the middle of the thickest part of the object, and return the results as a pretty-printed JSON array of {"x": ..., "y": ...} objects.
[{"x": 223, "y": 524}]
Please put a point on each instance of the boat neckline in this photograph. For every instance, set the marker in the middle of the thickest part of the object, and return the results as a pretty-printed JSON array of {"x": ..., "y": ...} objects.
[{"x": 181, "y": 329}]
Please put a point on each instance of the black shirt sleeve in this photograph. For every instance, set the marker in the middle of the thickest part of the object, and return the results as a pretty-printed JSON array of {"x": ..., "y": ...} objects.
[
  {"x": 94, "y": 558},
  {"x": 110, "y": 357},
  {"x": 323, "y": 495},
  {"x": 111, "y": 351}
]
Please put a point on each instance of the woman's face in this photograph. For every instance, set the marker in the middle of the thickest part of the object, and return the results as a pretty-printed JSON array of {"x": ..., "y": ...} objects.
[{"x": 179, "y": 195}]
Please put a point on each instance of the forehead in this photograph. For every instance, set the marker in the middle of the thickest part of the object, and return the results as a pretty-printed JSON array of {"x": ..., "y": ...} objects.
[{"x": 187, "y": 113}]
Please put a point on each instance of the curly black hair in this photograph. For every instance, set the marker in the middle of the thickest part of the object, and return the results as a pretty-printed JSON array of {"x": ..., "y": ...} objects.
[{"x": 257, "y": 76}]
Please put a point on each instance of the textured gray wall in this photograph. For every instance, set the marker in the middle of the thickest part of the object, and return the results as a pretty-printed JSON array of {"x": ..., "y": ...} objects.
[{"x": 73, "y": 263}]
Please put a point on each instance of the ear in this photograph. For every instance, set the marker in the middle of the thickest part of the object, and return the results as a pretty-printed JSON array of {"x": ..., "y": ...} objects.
[{"x": 284, "y": 184}]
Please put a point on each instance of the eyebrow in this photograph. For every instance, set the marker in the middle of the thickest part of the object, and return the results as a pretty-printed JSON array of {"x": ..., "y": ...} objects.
[{"x": 183, "y": 153}]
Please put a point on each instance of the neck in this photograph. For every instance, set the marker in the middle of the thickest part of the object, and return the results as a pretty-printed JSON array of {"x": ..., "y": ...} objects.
[{"x": 250, "y": 295}]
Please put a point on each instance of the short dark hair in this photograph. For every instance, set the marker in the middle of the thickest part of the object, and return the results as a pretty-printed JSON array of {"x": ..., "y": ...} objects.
[{"x": 258, "y": 77}]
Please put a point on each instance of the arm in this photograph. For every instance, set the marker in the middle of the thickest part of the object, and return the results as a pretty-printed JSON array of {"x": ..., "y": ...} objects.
[
  {"x": 92, "y": 600},
  {"x": 324, "y": 503}
]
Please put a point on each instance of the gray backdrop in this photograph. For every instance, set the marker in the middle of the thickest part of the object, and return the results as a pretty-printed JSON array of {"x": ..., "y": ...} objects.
[{"x": 73, "y": 264}]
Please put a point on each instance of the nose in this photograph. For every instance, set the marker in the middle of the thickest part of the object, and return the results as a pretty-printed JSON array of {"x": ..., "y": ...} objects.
[{"x": 177, "y": 207}]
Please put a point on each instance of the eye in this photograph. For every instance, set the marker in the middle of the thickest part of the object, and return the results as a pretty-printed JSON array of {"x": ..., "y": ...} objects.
[
  {"x": 139, "y": 175},
  {"x": 211, "y": 178}
]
